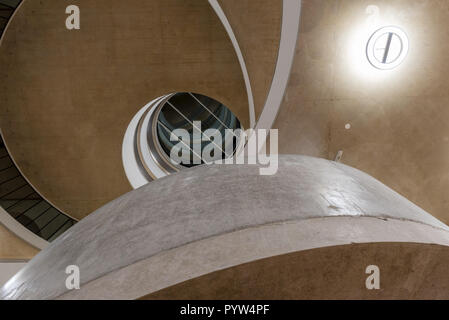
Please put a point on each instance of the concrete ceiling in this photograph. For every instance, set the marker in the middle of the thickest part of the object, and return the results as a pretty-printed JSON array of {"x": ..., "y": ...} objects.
[{"x": 398, "y": 130}]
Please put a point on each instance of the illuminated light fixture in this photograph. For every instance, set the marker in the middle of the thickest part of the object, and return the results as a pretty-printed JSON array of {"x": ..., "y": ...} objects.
[{"x": 387, "y": 48}]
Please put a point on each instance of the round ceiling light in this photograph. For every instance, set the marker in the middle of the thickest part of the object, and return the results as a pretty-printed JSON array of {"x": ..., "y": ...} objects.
[{"x": 387, "y": 48}]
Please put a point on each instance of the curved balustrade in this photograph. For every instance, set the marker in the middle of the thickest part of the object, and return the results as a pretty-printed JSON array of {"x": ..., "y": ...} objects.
[
  {"x": 23, "y": 202},
  {"x": 17, "y": 196},
  {"x": 7, "y": 8}
]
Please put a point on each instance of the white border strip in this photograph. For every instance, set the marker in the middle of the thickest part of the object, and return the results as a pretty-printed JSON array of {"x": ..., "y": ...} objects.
[
  {"x": 4, "y": 140},
  {"x": 23, "y": 233},
  {"x": 291, "y": 17},
  {"x": 224, "y": 20},
  {"x": 143, "y": 142},
  {"x": 5, "y": 218},
  {"x": 129, "y": 156}
]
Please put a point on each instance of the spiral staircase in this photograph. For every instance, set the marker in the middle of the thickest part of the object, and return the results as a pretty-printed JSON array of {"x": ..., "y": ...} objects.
[{"x": 17, "y": 196}]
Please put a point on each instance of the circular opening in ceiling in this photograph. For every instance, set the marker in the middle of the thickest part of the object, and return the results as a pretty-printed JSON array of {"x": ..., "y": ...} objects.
[
  {"x": 387, "y": 48},
  {"x": 205, "y": 129},
  {"x": 201, "y": 125}
]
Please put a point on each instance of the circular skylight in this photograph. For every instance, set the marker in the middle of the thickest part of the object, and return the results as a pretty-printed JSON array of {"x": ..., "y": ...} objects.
[{"x": 206, "y": 124}]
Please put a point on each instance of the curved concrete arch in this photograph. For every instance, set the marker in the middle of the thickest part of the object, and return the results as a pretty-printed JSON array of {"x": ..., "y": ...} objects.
[
  {"x": 19, "y": 230},
  {"x": 168, "y": 225},
  {"x": 135, "y": 174},
  {"x": 224, "y": 20},
  {"x": 291, "y": 17},
  {"x": 6, "y": 219},
  {"x": 249, "y": 245}
]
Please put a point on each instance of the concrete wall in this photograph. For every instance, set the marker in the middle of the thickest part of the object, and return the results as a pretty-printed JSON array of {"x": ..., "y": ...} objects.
[{"x": 399, "y": 133}]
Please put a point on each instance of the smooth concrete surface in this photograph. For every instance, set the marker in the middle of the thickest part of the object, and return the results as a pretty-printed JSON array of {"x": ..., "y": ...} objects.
[
  {"x": 399, "y": 133},
  {"x": 68, "y": 96},
  {"x": 208, "y": 256},
  {"x": 209, "y": 201}
]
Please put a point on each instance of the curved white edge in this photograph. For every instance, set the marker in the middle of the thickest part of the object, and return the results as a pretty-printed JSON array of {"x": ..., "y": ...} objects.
[
  {"x": 130, "y": 161},
  {"x": 224, "y": 20},
  {"x": 5, "y": 219},
  {"x": 129, "y": 156},
  {"x": 145, "y": 146},
  {"x": 23, "y": 233},
  {"x": 227, "y": 250},
  {"x": 291, "y": 17},
  {"x": 31, "y": 184},
  {"x": 4, "y": 140},
  {"x": 10, "y": 19}
]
